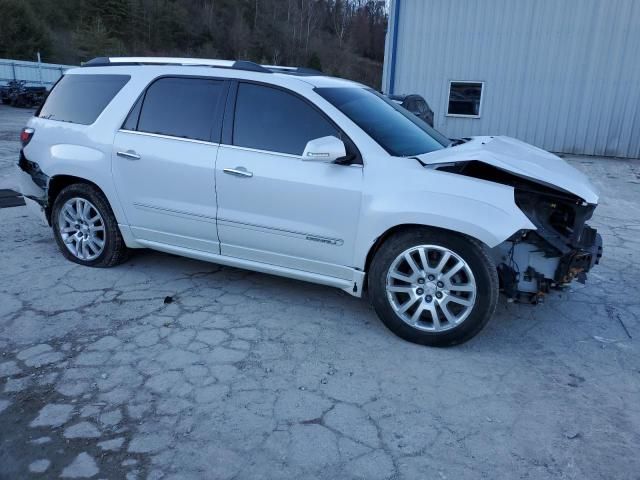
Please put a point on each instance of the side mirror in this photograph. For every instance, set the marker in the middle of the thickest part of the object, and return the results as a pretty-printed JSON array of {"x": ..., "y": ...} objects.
[{"x": 325, "y": 149}]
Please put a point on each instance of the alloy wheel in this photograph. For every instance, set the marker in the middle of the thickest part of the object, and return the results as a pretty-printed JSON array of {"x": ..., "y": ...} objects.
[
  {"x": 82, "y": 229},
  {"x": 431, "y": 288}
]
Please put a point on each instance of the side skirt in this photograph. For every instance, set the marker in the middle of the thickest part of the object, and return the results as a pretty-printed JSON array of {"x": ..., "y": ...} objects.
[{"x": 352, "y": 286}]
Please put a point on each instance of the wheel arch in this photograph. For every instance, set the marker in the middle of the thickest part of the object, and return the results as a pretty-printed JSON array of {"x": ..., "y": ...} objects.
[
  {"x": 58, "y": 182},
  {"x": 396, "y": 229}
]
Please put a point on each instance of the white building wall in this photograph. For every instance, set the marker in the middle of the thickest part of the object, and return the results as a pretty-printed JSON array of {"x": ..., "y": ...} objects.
[{"x": 561, "y": 74}]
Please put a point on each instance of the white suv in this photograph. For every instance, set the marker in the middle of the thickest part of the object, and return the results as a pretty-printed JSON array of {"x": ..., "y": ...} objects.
[{"x": 289, "y": 172}]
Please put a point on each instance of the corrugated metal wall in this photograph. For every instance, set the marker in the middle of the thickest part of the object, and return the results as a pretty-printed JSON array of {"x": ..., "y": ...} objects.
[
  {"x": 561, "y": 74},
  {"x": 33, "y": 73}
]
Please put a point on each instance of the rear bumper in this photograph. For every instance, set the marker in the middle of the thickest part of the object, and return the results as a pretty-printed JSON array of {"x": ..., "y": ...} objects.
[{"x": 33, "y": 185}]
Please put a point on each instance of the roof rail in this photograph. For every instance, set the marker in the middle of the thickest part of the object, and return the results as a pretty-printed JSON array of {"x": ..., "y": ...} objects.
[
  {"x": 206, "y": 62},
  {"x": 292, "y": 70},
  {"x": 203, "y": 62}
]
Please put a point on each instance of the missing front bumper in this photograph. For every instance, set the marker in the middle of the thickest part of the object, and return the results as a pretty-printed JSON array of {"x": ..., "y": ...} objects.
[
  {"x": 577, "y": 263},
  {"x": 528, "y": 268}
]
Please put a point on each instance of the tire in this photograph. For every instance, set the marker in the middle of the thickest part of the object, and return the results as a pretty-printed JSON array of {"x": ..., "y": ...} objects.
[
  {"x": 465, "y": 302},
  {"x": 96, "y": 234}
]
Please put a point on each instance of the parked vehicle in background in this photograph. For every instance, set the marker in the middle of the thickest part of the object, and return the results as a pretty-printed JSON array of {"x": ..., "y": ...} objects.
[
  {"x": 18, "y": 94},
  {"x": 416, "y": 104},
  {"x": 314, "y": 178}
]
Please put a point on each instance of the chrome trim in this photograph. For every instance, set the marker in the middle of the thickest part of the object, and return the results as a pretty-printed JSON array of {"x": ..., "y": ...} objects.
[
  {"x": 181, "y": 213},
  {"x": 328, "y": 241},
  {"x": 238, "y": 172},
  {"x": 338, "y": 242},
  {"x": 288, "y": 155},
  {"x": 267, "y": 152},
  {"x": 129, "y": 155},
  {"x": 169, "y": 137}
]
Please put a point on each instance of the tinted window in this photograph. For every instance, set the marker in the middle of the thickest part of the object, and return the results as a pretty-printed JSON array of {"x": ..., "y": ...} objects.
[
  {"x": 395, "y": 129},
  {"x": 464, "y": 98},
  {"x": 131, "y": 123},
  {"x": 81, "y": 98},
  {"x": 274, "y": 120},
  {"x": 182, "y": 107}
]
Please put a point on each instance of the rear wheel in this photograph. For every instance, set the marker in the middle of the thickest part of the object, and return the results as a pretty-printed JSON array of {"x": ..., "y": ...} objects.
[
  {"x": 85, "y": 228},
  {"x": 433, "y": 287}
]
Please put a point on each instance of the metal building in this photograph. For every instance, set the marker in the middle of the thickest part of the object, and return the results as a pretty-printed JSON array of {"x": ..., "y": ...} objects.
[
  {"x": 561, "y": 74},
  {"x": 34, "y": 73}
]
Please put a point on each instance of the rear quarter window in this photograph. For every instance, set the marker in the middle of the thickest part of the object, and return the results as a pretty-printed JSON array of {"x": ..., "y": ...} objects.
[
  {"x": 81, "y": 98},
  {"x": 180, "y": 107}
]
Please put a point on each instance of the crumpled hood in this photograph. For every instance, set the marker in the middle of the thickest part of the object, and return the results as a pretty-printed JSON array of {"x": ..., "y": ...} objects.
[{"x": 521, "y": 159}]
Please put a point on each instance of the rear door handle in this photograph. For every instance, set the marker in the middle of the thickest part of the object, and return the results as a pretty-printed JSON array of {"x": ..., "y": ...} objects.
[
  {"x": 238, "y": 172},
  {"x": 129, "y": 155}
]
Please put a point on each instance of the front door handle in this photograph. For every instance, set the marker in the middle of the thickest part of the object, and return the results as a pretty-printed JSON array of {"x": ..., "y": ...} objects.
[
  {"x": 238, "y": 172},
  {"x": 129, "y": 155}
]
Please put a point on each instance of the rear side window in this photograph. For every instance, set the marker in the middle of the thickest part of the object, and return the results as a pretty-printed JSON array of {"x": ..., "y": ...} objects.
[
  {"x": 81, "y": 98},
  {"x": 276, "y": 121},
  {"x": 181, "y": 107}
]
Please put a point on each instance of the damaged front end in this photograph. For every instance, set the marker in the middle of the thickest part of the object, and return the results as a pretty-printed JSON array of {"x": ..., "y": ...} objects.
[{"x": 563, "y": 247}]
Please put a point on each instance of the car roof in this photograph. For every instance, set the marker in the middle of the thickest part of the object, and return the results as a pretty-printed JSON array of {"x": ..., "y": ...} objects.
[{"x": 157, "y": 66}]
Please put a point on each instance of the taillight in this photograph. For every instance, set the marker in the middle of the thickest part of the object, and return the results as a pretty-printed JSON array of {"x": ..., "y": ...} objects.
[{"x": 26, "y": 135}]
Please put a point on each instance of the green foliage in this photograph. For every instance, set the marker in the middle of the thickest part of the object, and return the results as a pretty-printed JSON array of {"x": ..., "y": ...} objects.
[
  {"x": 94, "y": 40},
  {"x": 22, "y": 34},
  {"x": 346, "y": 37}
]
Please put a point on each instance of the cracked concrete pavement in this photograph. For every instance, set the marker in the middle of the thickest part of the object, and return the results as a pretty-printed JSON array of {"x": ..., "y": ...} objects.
[{"x": 166, "y": 367}]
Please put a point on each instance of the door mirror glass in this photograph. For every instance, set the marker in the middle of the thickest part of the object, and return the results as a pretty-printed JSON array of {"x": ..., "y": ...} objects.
[{"x": 325, "y": 149}]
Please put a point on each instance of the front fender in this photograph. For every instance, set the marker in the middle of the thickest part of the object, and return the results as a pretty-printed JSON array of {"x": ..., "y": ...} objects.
[{"x": 480, "y": 209}]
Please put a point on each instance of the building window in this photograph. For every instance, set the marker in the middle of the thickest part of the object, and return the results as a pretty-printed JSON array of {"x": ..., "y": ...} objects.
[{"x": 465, "y": 99}]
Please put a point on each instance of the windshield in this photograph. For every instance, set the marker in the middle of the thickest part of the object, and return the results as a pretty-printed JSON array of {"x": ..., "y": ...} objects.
[{"x": 395, "y": 129}]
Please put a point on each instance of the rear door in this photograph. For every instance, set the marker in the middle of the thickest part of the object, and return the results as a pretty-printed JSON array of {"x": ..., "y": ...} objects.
[
  {"x": 274, "y": 207},
  {"x": 164, "y": 158}
]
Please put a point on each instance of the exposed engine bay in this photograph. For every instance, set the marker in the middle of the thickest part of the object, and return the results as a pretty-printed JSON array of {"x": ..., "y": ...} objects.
[{"x": 562, "y": 249}]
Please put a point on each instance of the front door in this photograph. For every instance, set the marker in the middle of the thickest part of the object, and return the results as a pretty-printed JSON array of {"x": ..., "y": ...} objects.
[
  {"x": 164, "y": 159},
  {"x": 275, "y": 208}
]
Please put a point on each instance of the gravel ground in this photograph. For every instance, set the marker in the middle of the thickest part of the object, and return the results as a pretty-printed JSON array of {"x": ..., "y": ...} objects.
[{"x": 166, "y": 367}]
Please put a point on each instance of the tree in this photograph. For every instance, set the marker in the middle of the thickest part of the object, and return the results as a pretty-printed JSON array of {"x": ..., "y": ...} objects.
[
  {"x": 239, "y": 37},
  {"x": 93, "y": 40},
  {"x": 344, "y": 37},
  {"x": 22, "y": 34}
]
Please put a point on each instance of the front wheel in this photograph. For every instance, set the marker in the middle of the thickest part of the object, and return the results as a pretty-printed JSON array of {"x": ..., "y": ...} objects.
[
  {"x": 433, "y": 287},
  {"x": 85, "y": 228}
]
